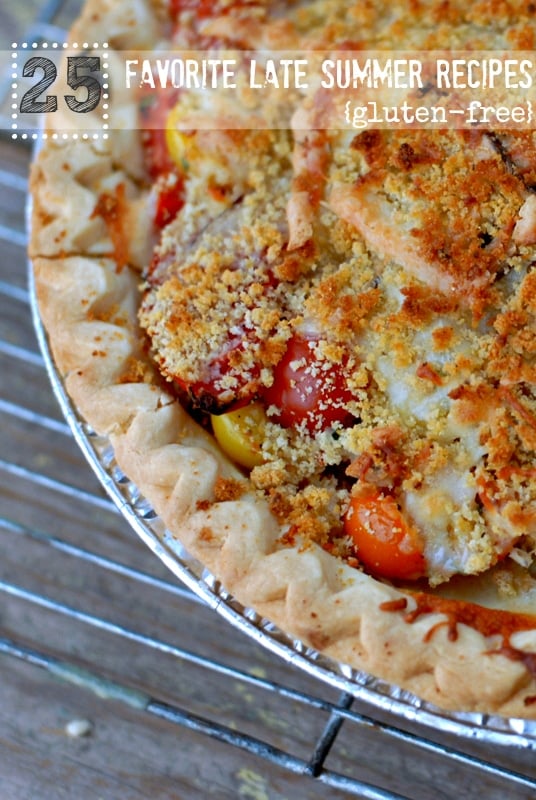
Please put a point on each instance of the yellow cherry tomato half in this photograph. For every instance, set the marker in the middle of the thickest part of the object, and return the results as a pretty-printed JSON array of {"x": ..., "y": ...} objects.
[
  {"x": 181, "y": 144},
  {"x": 240, "y": 434},
  {"x": 385, "y": 542}
]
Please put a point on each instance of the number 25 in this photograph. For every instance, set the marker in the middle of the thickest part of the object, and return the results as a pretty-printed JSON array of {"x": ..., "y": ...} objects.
[{"x": 29, "y": 103}]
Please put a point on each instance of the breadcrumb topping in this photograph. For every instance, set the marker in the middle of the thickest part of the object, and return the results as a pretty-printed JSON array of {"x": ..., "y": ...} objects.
[{"x": 405, "y": 258}]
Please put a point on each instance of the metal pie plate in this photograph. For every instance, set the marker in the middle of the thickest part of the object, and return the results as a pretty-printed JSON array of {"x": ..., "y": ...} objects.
[{"x": 150, "y": 528}]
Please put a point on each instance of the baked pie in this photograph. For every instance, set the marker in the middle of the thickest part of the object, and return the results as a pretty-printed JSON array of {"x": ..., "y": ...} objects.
[{"x": 314, "y": 350}]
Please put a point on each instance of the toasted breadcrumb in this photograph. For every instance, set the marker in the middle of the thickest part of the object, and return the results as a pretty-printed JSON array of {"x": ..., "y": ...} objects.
[{"x": 407, "y": 254}]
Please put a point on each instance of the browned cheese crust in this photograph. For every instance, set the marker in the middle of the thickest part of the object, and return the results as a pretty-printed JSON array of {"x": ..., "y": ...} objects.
[{"x": 409, "y": 255}]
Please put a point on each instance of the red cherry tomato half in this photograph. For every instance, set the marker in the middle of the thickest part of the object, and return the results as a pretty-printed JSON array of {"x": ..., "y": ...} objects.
[
  {"x": 156, "y": 156},
  {"x": 308, "y": 389},
  {"x": 154, "y": 109},
  {"x": 386, "y": 544},
  {"x": 170, "y": 200},
  {"x": 208, "y": 394}
]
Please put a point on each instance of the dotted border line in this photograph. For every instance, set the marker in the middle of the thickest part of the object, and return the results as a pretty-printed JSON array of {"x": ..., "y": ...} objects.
[
  {"x": 58, "y": 46},
  {"x": 14, "y": 87}
]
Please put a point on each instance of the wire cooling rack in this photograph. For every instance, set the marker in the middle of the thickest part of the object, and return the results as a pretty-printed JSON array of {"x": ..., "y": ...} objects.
[{"x": 339, "y": 729}]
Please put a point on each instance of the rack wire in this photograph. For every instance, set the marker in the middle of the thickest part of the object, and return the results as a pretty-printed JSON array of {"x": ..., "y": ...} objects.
[{"x": 338, "y": 716}]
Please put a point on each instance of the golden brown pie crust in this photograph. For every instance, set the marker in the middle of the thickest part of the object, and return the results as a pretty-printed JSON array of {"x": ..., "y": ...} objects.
[{"x": 450, "y": 653}]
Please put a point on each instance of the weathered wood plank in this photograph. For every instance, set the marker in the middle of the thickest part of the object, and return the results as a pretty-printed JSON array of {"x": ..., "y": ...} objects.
[{"x": 127, "y": 754}]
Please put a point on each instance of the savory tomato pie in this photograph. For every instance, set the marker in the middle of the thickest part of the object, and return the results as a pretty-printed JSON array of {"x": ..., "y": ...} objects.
[{"x": 314, "y": 350}]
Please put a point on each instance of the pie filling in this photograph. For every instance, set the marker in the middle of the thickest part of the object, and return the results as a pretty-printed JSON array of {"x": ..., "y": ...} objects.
[{"x": 354, "y": 315}]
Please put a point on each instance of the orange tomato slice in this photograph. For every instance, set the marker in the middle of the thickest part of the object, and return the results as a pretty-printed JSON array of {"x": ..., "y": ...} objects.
[{"x": 385, "y": 542}]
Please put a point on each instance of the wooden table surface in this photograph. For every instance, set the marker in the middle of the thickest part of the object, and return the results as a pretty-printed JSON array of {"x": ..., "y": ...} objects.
[{"x": 97, "y": 638}]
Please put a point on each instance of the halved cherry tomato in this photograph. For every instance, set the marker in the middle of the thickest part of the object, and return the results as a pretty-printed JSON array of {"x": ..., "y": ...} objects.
[
  {"x": 210, "y": 392},
  {"x": 308, "y": 389},
  {"x": 154, "y": 109},
  {"x": 170, "y": 199},
  {"x": 180, "y": 144},
  {"x": 154, "y": 112},
  {"x": 240, "y": 434},
  {"x": 386, "y": 544}
]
